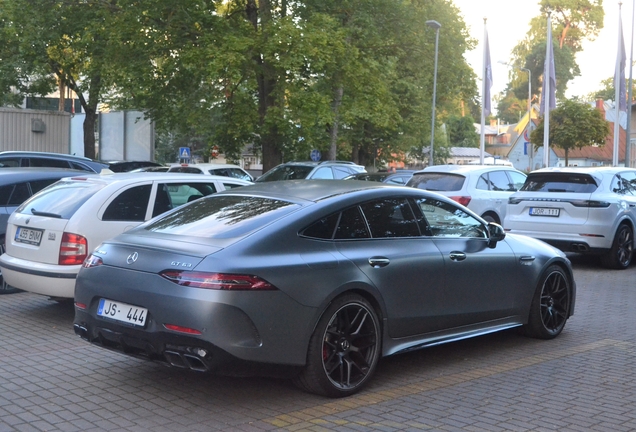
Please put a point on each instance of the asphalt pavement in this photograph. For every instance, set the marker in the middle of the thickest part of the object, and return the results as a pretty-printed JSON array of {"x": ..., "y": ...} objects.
[{"x": 584, "y": 380}]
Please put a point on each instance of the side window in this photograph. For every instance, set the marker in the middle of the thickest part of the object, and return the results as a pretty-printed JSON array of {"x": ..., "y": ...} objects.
[
  {"x": 447, "y": 220},
  {"x": 340, "y": 173},
  {"x": 43, "y": 162},
  {"x": 482, "y": 182},
  {"x": 352, "y": 225},
  {"x": 516, "y": 180},
  {"x": 499, "y": 181},
  {"x": 239, "y": 174},
  {"x": 231, "y": 185},
  {"x": 5, "y": 194},
  {"x": 323, "y": 173},
  {"x": 38, "y": 185},
  {"x": 180, "y": 193},
  {"x": 390, "y": 218},
  {"x": 322, "y": 229},
  {"x": 129, "y": 205},
  {"x": 10, "y": 162},
  {"x": 220, "y": 172},
  {"x": 624, "y": 183},
  {"x": 79, "y": 166},
  {"x": 20, "y": 194}
]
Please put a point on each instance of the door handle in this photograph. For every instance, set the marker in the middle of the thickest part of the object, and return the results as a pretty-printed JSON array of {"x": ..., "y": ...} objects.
[
  {"x": 377, "y": 262},
  {"x": 457, "y": 256}
]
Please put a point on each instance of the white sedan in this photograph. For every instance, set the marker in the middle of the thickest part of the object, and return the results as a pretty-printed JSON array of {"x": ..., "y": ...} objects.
[{"x": 49, "y": 236}]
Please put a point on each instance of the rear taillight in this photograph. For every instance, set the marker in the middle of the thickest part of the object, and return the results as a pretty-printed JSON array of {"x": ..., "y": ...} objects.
[
  {"x": 92, "y": 261},
  {"x": 590, "y": 203},
  {"x": 217, "y": 281},
  {"x": 463, "y": 200},
  {"x": 73, "y": 249}
]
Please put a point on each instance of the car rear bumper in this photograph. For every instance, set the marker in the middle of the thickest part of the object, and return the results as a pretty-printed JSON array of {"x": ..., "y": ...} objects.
[
  {"x": 570, "y": 242},
  {"x": 45, "y": 279}
]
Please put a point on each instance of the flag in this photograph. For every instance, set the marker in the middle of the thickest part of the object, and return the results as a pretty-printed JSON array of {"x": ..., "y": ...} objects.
[
  {"x": 549, "y": 77},
  {"x": 619, "y": 74},
  {"x": 487, "y": 77}
]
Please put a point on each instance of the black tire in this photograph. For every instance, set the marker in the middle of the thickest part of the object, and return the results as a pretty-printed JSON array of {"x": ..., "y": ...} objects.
[
  {"x": 550, "y": 306},
  {"x": 490, "y": 217},
  {"x": 344, "y": 349},
  {"x": 620, "y": 255},
  {"x": 4, "y": 288}
]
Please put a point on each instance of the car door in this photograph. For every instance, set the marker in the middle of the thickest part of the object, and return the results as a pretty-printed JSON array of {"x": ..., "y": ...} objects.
[
  {"x": 479, "y": 280},
  {"x": 126, "y": 209},
  {"x": 382, "y": 238}
]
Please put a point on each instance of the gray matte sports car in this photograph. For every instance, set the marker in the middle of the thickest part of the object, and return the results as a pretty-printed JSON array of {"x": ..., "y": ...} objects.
[{"x": 320, "y": 276}]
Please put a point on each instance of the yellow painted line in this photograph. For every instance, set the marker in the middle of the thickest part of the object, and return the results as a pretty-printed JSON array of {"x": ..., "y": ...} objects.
[{"x": 311, "y": 418}]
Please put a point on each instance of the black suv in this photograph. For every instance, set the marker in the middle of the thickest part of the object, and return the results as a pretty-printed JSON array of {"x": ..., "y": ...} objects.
[
  {"x": 311, "y": 170},
  {"x": 11, "y": 159}
]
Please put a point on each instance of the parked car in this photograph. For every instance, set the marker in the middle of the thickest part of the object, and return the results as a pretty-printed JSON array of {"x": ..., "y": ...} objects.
[
  {"x": 49, "y": 236},
  {"x": 399, "y": 177},
  {"x": 225, "y": 170},
  {"x": 49, "y": 160},
  {"x": 325, "y": 276},
  {"x": 482, "y": 188},
  {"x": 579, "y": 209},
  {"x": 16, "y": 186},
  {"x": 311, "y": 170},
  {"x": 125, "y": 166}
]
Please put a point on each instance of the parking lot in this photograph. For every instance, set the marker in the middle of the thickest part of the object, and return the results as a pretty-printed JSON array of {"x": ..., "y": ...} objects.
[{"x": 583, "y": 380}]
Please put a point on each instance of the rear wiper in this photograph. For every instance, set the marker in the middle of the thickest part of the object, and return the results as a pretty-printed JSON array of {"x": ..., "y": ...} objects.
[{"x": 39, "y": 213}]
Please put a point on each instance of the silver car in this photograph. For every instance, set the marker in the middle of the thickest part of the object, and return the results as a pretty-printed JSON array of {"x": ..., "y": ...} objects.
[
  {"x": 320, "y": 277},
  {"x": 579, "y": 209}
]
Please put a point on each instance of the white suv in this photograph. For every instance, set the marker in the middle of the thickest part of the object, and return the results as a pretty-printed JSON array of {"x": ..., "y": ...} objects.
[
  {"x": 49, "y": 235},
  {"x": 482, "y": 188},
  {"x": 579, "y": 209}
]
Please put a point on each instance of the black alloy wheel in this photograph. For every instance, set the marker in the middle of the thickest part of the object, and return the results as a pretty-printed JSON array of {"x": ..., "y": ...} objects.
[
  {"x": 620, "y": 255},
  {"x": 550, "y": 307},
  {"x": 344, "y": 349}
]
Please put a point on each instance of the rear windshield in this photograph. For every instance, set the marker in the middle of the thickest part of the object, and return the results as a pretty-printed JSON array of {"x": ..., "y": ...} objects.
[
  {"x": 222, "y": 216},
  {"x": 560, "y": 182},
  {"x": 437, "y": 181},
  {"x": 187, "y": 170},
  {"x": 287, "y": 172},
  {"x": 61, "y": 199}
]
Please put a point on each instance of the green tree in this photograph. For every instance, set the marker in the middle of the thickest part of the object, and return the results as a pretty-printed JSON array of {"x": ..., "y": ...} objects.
[
  {"x": 510, "y": 108},
  {"x": 573, "y": 125},
  {"x": 46, "y": 44},
  {"x": 573, "y": 21},
  {"x": 461, "y": 131},
  {"x": 607, "y": 90}
]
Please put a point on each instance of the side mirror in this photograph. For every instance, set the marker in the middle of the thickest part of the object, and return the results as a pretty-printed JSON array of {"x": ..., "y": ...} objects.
[{"x": 496, "y": 233}]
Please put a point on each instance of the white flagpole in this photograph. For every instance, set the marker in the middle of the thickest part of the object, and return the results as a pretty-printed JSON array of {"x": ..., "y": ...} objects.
[
  {"x": 617, "y": 91},
  {"x": 482, "y": 135},
  {"x": 546, "y": 101}
]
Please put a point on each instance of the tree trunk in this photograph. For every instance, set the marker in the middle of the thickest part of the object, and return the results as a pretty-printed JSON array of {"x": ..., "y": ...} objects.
[
  {"x": 333, "y": 132},
  {"x": 89, "y": 133},
  {"x": 62, "y": 89},
  {"x": 266, "y": 79},
  {"x": 567, "y": 162}
]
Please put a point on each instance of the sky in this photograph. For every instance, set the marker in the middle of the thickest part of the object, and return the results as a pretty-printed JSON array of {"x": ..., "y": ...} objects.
[{"x": 508, "y": 22}]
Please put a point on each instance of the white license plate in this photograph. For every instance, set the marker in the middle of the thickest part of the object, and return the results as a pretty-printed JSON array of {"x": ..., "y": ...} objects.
[
  {"x": 28, "y": 235},
  {"x": 123, "y": 312},
  {"x": 542, "y": 211}
]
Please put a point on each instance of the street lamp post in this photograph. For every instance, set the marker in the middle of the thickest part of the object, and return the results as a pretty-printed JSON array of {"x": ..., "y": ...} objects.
[
  {"x": 435, "y": 25},
  {"x": 531, "y": 155}
]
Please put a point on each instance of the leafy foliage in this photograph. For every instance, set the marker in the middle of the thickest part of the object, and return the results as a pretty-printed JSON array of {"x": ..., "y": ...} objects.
[
  {"x": 461, "y": 131},
  {"x": 573, "y": 125}
]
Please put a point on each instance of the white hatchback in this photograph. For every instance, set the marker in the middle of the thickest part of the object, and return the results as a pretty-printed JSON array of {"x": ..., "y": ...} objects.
[
  {"x": 49, "y": 236},
  {"x": 482, "y": 188},
  {"x": 225, "y": 170},
  {"x": 589, "y": 210}
]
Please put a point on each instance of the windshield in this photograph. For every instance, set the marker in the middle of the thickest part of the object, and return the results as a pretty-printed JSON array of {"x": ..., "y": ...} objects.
[
  {"x": 560, "y": 182},
  {"x": 222, "y": 216},
  {"x": 286, "y": 172},
  {"x": 437, "y": 181},
  {"x": 61, "y": 199}
]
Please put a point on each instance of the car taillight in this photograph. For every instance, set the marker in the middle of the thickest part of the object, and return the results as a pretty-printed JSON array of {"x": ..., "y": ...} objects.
[
  {"x": 463, "y": 200},
  {"x": 92, "y": 261},
  {"x": 73, "y": 249},
  {"x": 217, "y": 281},
  {"x": 590, "y": 203}
]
